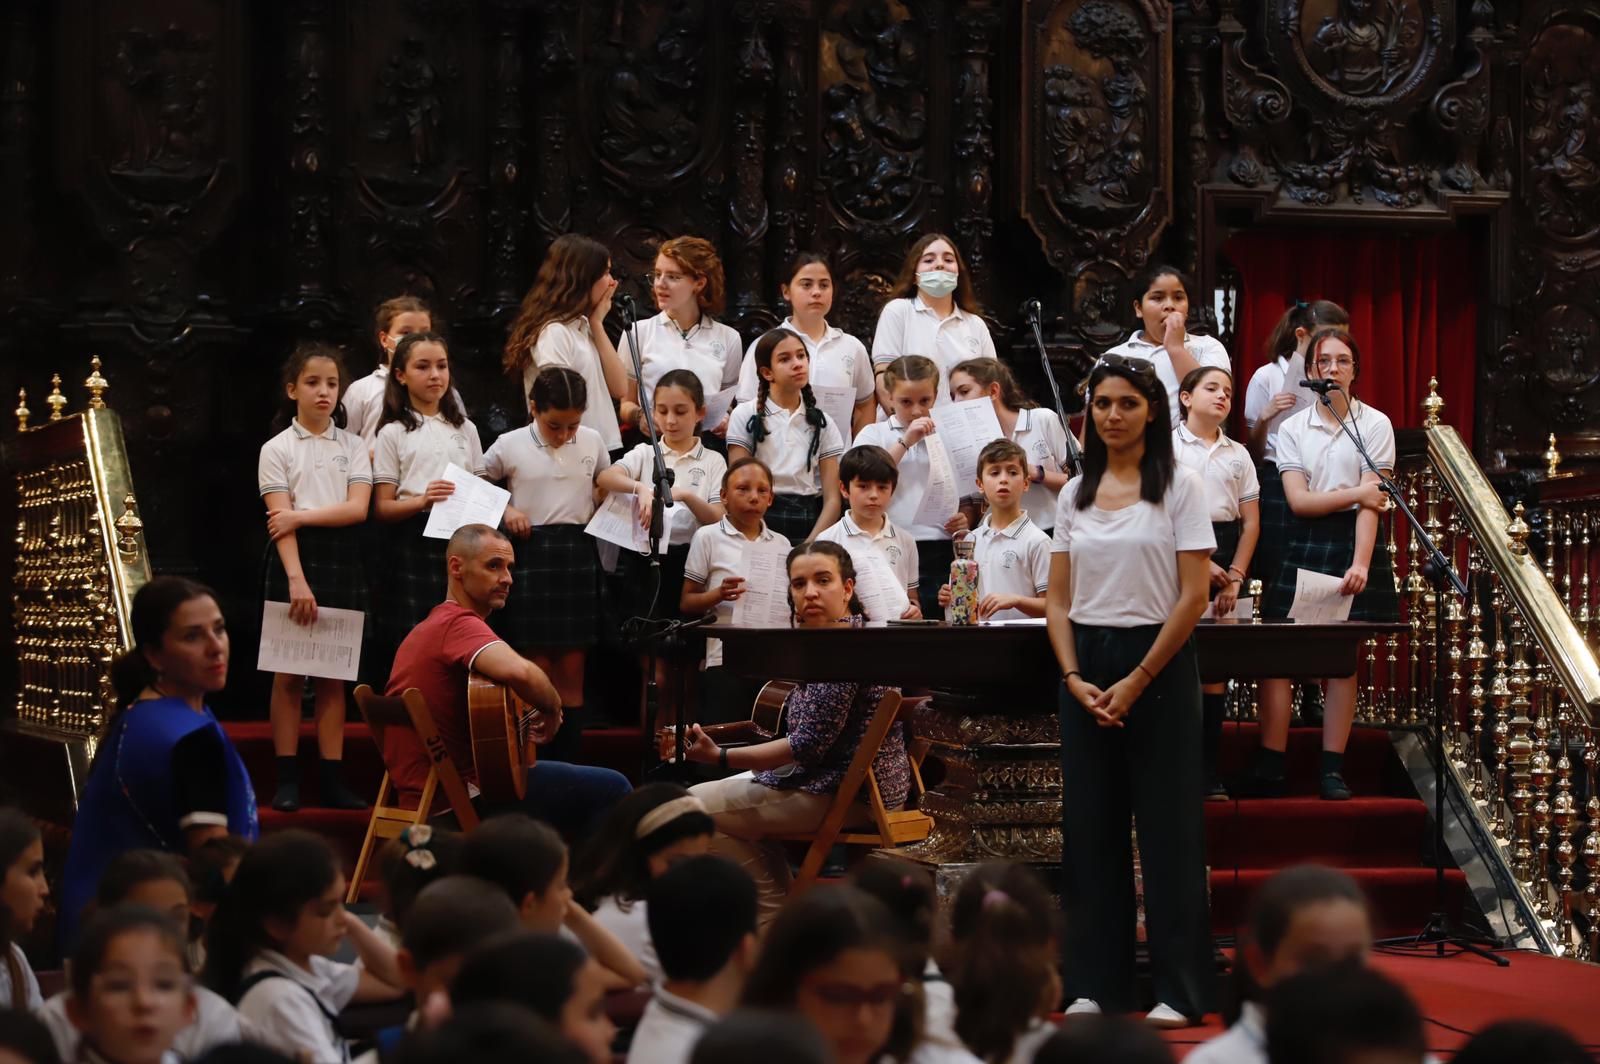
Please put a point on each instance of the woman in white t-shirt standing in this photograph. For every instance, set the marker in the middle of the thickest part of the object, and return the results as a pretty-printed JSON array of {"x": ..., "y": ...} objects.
[
  {"x": 932, "y": 311},
  {"x": 1120, "y": 622}
]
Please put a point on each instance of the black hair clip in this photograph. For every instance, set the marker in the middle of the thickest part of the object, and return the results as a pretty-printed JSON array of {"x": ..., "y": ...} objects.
[{"x": 1301, "y": 304}]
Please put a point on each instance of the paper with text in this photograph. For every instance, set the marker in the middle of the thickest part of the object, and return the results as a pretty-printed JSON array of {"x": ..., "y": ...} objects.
[
  {"x": 942, "y": 496},
  {"x": 330, "y": 648},
  {"x": 1317, "y": 598},
  {"x": 474, "y": 502},
  {"x": 882, "y": 594},
  {"x": 1303, "y": 397},
  {"x": 838, "y": 403},
  {"x": 765, "y": 602},
  {"x": 617, "y": 521},
  {"x": 965, "y": 428},
  {"x": 1241, "y": 610},
  {"x": 717, "y": 408}
]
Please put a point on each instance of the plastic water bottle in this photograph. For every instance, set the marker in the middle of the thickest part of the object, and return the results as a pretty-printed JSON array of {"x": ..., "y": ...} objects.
[{"x": 964, "y": 594}]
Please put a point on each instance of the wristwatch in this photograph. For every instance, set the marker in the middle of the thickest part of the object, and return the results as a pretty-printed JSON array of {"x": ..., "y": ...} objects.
[
  {"x": 1040, "y": 478},
  {"x": 722, "y": 757}
]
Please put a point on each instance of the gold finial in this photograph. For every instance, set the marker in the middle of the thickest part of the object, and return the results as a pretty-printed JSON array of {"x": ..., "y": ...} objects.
[
  {"x": 1432, "y": 405},
  {"x": 96, "y": 385},
  {"x": 1518, "y": 531},
  {"x": 22, "y": 410},
  {"x": 55, "y": 400},
  {"x": 128, "y": 527},
  {"x": 1552, "y": 457}
]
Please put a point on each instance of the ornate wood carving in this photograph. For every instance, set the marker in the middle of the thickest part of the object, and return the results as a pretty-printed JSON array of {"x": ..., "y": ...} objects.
[
  {"x": 310, "y": 180},
  {"x": 748, "y": 214},
  {"x": 976, "y": 25}
]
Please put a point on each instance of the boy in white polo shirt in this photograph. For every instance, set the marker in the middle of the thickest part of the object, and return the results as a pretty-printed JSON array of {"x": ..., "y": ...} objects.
[
  {"x": 1012, "y": 552},
  {"x": 867, "y": 480}
]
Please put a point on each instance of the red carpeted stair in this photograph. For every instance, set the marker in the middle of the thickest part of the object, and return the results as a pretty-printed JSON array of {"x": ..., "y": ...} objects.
[{"x": 1379, "y": 837}]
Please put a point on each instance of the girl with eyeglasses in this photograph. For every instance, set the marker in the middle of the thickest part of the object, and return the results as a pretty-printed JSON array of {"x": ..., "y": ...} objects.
[{"x": 1336, "y": 504}]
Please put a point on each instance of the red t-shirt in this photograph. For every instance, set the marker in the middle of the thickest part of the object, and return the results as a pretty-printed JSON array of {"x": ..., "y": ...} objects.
[{"x": 435, "y": 658}]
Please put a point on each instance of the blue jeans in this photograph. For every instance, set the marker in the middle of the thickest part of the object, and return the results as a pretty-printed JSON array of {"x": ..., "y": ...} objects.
[{"x": 572, "y": 798}]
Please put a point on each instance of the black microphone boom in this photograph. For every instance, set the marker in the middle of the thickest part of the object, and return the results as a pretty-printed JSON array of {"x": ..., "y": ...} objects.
[
  {"x": 1034, "y": 312},
  {"x": 1320, "y": 387}
]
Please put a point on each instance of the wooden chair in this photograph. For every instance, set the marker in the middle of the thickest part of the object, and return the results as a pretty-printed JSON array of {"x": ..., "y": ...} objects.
[
  {"x": 887, "y": 828},
  {"x": 409, "y": 711}
]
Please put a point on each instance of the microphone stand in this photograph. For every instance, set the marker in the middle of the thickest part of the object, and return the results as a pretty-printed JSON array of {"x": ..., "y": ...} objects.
[
  {"x": 1074, "y": 456},
  {"x": 1439, "y": 572}
]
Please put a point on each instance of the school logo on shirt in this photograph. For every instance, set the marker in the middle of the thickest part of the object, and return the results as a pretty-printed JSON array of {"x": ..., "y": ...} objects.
[
  {"x": 1236, "y": 468},
  {"x": 588, "y": 466},
  {"x": 341, "y": 463},
  {"x": 716, "y": 347},
  {"x": 1008, "y": 560},
  {"x": 892, "y": 553},
  {"x": 972, "y": 343},
  {"x": 696, "y": 477},
  {"x": 458, "y": 440},
  {"x": 1040, "y": 451}
]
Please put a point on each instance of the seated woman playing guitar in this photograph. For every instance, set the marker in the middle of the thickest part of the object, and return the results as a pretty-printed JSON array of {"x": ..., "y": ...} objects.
[{"x": 787, "y": 784}]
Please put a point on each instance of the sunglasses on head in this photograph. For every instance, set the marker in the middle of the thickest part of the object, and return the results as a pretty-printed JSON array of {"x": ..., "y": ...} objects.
[{"x": 1126, "y": 363}]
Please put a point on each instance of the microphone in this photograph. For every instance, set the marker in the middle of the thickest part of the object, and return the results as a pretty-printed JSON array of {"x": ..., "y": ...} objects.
[
  {"x": 625, "y": 301},
  {"x": 1032, "y": 309},
  {"x": 1321, "y": 387},
  {"x": 705, "y": 619}
]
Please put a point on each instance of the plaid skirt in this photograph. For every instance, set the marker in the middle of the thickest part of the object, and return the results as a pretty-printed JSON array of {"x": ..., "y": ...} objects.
[
  {"x": 1328, "y": 545},
  {"x": 415, "y": 580},
  {"x": 794, "y": 516},
  {"x": 334, "y": 566},
  {"x": 1276, "y": 523},
  {"x": 555, "y": 591}
]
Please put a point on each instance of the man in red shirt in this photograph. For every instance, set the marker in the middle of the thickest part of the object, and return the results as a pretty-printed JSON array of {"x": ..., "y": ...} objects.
[{"x": 454, "y": 640}]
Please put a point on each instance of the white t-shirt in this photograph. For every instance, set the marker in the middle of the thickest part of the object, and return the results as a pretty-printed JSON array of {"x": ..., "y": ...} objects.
[
  {"x": 668, "y": 1030},
  {"x": 286, "y": 1014},
  {"x": 409, "y": 460},
  {"x": 913, "y": 484},
  {"x": 787, "y": 446},
  {"x": 1266, "y": 382},
  {"x": 315, "y": 471},
  {"x": 363, "y": 404},
  {"x": 1014, "y": 560},
  {"x": 699, "y": 468},
  {"x": 1311, "y": 442},
  {"x": 1225, "y": 467},
  {"x": 1039, "y": 432},
  {"x": 552, "y": 485},
  {"x": 897, "y": 548},
  {"x": 711, "y": 350},
  {"x": 216, "y": 1023},
  {"x": 716, "y": 553},
  {"x": 1206, "y": 351},
  {"x": 910, "y": 327},
  {"x": 632, "y": 930},
  {"x": 571, "y": 344},
  {"x": 1243, "y": 1043},
  {"x": 1128, "y": 575},
  {"x": 30, "y": 981}
]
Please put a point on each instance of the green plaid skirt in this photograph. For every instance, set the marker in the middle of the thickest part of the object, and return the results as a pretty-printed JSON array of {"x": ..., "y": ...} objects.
[{"x": 1328, "y": 545}]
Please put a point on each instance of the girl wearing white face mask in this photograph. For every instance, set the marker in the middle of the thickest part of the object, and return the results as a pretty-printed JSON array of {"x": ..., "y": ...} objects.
[{"x": 932, "y": 311}]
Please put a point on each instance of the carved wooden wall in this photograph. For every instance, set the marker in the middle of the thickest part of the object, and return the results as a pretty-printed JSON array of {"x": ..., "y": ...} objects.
[{"x": 186, "y": 186}]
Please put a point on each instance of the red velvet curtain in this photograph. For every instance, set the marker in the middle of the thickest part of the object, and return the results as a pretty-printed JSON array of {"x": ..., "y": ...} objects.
[{"x": 1412, "y": 304}]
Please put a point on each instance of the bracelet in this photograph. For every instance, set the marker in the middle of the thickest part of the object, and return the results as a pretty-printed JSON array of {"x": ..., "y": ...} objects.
[
  {"x": 1236, "y": 569},
  {"x": 722, "y": 757},
  {"x": 1146, "y": 671},
  {"x": 901, "y": 440},
  {"x": 1069, "y": 675}
]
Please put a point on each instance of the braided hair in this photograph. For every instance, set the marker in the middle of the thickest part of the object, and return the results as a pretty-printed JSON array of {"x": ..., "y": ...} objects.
[
  {"x": 559, "y": 388},
  {"x": 757, "y": 425},
  {"x": 841, "y": 558}
]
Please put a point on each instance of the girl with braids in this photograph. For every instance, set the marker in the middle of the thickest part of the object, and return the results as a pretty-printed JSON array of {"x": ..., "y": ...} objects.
[
  {"x": 1037, "y": 431},
  {"x": 23, "y": 892},
  {"x": 394, "y": 320},
  {"x": 562, "y": 323},
  {"x": 550, "y": 467},
  {"x": 787, "y": 784},
  {"x": 798, "y": 441}
]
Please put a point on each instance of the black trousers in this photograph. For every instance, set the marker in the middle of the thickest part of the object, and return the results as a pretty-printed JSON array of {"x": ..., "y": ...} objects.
[{"x": 1148, "y": 771}]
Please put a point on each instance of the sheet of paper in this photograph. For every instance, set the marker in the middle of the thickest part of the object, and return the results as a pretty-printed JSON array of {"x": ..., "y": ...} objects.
[
  {"x": 1303, "y": 397},
  {"x": 1241, "y": 610},
  {"x": 965, "y": 428},
  {"x": 942, "y": 496},
  {"x": 329, "y": 648},
  {"x": 765, "y": 602},
  {"x": 717, "y": 408},
  {"x": 1317, "y": 598},
  {"x": 1016, "y": 622},
  {"x": 838, "y": 403},
  {"x": 617, "y": 521},
  {"x": 475, "y": 502},
  {"x": 882, "y": 594}
]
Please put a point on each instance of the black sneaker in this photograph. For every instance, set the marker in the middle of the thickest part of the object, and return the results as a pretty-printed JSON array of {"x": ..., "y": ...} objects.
[
  {"x": 1252, "y": 785},
  {"x": 287, "y": 798},
  {"x": 1218, "y": 792},
  {"x": 1334, "y": 788}
]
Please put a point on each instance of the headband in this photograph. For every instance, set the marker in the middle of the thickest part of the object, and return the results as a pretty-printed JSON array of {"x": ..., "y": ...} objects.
[{"x": 667, "y": 812}]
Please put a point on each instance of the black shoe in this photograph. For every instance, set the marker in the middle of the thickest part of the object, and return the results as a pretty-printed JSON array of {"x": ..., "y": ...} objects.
[
  {"x": 1218, "y": 792},
  {"x": 335, "y": 795},
  {"x": 287, "y": 797},
  {"x": 1334, "y": 788},
  {"x": 1252, "y": 785}
]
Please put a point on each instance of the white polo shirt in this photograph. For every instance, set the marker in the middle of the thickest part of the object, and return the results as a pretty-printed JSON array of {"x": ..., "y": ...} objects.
[
  {"x": 711, "y": 350},
  {"x": 668, "y": 1030},
  {"x": 285, "y": 1012},
  {"x": 910, "y": 327},
  {"x": 838, "y": 361},
  {"x": 699, "y": 468},
  {"x": 363, "y": 404},
  {"x": 715, "y": 553},
  {"x": 215, "y": 1023},
  {"x": 409, "y": 460},
  {"x": 1128, "y": 571},
  {"x": 1014, "y": 560},
  {"x": 315, "y": 470},
  {"x": 1312, "y": 443},
  {"x": 1206, "y": 351},
  {"x": 787, "y": 445},
  {"x": 552, "y": 485},
  {"x": 913, "y": 479},
  {"x": 1225, "y": 467},
  {"x": 1039, "y": 433},
  {"x": 1266, "y": 382},
  {"x": 897, "y": 548},
  {"x": 571, "y": 344}
]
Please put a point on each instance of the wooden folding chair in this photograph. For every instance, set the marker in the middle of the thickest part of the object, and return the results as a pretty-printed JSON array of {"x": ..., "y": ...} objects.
[
  {"x": 409, "y": 711},
  {"x": 888, "y": 828}
]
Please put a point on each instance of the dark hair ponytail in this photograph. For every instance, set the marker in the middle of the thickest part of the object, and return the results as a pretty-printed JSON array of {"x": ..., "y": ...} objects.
[
  {"x": 1003, "y": 947},
  {"x": 559, "y": 388},
  {"x": 766, "y": 344},
  {"x": 153, "y": 607}
]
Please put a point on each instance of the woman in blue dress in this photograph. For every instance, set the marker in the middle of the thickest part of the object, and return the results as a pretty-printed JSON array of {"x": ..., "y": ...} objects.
[{"x": 165, "y": 777}]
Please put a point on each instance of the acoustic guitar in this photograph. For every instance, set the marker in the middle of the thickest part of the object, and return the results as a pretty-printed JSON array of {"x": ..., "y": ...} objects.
[
  {"x": 765, "y": 723},
  {"x": 500, "y": 726}
]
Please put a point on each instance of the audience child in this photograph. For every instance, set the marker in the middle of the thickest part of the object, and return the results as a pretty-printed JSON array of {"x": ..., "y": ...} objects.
[
  {"x": 907, "y": 891},
  {"x": 1013, "y": 554},
  {"x": 1344, "y": 1014},
  {"x": 494, "y": 1032},
  {"x": 528, "y": 860},
  {"x": 867, "y": 479},
  {"x": 766, "y": 1035},
  {"x": 420, "y": 855},
  {"x": 1036, "y": 430},
  {"x": 549, "y": 975},
  {"x": 132, "y": 992},
  {"x": 448, "y": 919},
  {"x": 24, "y": 1039},
  {"x": 932, "y": 311},
  {"x": 268, "y": 948},
  {"x": 1104, "y": 1040},
  {"x": 703, "y": 920},
  {"x": 643, "y": 837},
  {"x": 23, "y": 893},
  {"x": 395, "y": 319},
  {"x": 1002, "y": 958},
  {"x": 1522, "y": 1042},
  {"x": 1163, "y": 339}
]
